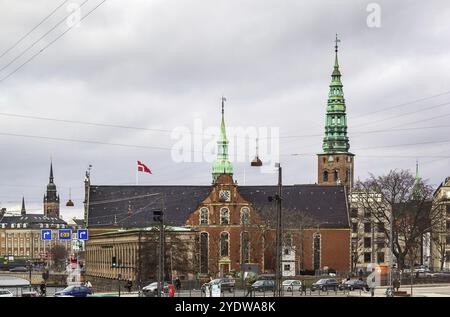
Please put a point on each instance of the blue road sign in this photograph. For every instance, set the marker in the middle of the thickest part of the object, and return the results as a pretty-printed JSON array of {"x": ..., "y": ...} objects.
[
  {"x": 46, "y": 234},
  {"x": 65, "y": 234},
  {"x": 83, "y": 234}
]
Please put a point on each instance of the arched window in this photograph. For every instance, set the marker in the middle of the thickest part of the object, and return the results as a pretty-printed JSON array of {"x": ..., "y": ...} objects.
[
  {"x": 204, "y": 216},
  {"x": 245, "y": 215},
  {"x": 245, "y": 245},
  {"x": 336, "y": 175},
  {"x": 204, "y": 252},
  {"x": 316, "y": 251},
  {"x": 224, "y": 216},
  {"x": 325, "y": 176},
  {"x": 224, "y": 244}
]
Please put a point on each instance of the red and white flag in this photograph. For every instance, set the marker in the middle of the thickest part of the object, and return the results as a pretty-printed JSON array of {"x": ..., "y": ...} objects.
[{"x": 141, "y": 167}]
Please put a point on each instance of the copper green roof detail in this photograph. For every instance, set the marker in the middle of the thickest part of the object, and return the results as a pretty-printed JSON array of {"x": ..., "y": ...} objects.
[
  {"x": 336, "y": 139},
  {"x": 222, "y": 165}
]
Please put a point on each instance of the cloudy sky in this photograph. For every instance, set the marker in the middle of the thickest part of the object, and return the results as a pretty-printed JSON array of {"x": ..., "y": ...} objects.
[{"x": 139, "y": 69}]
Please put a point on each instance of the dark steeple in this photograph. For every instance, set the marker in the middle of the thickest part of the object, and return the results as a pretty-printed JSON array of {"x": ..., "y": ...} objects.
[
  {"x": 51, "y": 197},
  {"x": 23, "y": 211},
  {"x": 51, "y": 173}
]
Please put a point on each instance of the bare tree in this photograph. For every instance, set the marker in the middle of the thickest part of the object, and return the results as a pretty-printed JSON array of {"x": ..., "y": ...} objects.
[
  {"x": 59, "y": 257},
  {"x": 409, "y": 201}
]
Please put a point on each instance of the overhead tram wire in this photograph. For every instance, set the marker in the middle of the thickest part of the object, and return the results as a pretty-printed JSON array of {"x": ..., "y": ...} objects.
[
  {"x": 34, "y": 28},
  {"x": 401, "y": 105},
  {"x": 39, "y": 39},
  {"x": 49, "y": 44}
]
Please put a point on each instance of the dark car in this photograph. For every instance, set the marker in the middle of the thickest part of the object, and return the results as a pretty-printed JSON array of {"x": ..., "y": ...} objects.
[
  {"x": 354, "y": 284},
  {"x": 226, "y": 284},
  {"x": 19, "y": 269},
  {"x": 152, "y": 289},
  {"x": 75, "y": 291},
  {"x": 263, "y": 285},
  {"x": 325, "y": 284}
]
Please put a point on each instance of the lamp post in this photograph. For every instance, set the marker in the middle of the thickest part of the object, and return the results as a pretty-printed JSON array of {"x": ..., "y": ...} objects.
[{"x": 278, "y": 290}]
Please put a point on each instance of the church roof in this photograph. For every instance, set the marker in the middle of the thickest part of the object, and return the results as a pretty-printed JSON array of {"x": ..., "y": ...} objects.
[{"x": 133, "y": 206}]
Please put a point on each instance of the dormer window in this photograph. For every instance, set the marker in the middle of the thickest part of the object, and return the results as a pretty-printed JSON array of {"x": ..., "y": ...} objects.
[
  {"x": 24, "y": 225},
  {"x": 13, "y": 225}
]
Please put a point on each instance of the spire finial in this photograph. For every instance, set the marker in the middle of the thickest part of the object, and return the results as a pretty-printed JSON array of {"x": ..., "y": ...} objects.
[
  {"x": 223, "y": 104},
  {"x": 336, "y": 41}
]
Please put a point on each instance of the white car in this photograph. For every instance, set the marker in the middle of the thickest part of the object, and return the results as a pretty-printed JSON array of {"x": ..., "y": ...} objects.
[
  {"x": 292, "y": 285},
  {"x": 152, "y": 289},
  {"x": 6, "y": 293}
]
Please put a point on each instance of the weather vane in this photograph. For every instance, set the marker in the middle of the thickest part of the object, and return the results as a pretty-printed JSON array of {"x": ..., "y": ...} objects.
[{"x": 336, "y": 42}]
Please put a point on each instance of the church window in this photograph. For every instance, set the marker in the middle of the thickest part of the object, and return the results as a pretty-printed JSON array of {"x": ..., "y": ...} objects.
[
  {"x": 224, "y": 244},
  {"x": 245, "y": 247},
  {"x": 204, "y": 214},
  {"x": 204, "y": 252},
  {"x": 224, "y": 216},
  {"x": 316, "y": 251},
  {"x": 245, "y": 215},
  {"x": 325, "y": 176}
]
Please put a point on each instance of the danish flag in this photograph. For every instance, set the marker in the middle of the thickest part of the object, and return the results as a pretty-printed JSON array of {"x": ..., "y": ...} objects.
[{"x": 143, "y": 168}]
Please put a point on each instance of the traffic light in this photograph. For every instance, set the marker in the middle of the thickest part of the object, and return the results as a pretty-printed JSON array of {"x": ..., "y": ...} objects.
[
  {"x": 157, "y": 215},
  {"x": 114, "y": 262}
]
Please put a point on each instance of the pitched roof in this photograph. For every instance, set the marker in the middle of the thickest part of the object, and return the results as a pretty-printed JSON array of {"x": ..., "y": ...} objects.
[
  {"x": 133, "y": 206},
  {"x": 32, "y": 220}
]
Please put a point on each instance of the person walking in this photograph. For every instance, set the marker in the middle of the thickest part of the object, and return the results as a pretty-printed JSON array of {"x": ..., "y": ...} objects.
[
  {"x": 396, "y": 284},
  {"x": 129, "y": 285},
  {"x": 177, "y": 284},
  {"x": 43, "y": 289},
  {"x": 371, "y": 282}
]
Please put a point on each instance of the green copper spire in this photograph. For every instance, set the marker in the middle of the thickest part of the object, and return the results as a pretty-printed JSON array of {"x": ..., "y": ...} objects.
[
  {"x": 336, "y": 139},
  {"x": 222, "y": 165}
]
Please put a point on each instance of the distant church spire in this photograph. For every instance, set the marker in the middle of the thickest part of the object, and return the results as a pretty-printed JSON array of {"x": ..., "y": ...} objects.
[
  {"x": 51, "y": 197},
  {"x": 222, "y": 165},
  {"x": 23, "y": 211},
  {"x": 51, "y": 173}
]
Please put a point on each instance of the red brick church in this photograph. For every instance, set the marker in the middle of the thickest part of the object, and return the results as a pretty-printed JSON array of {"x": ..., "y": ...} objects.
[{"x": 236, "y": 224}]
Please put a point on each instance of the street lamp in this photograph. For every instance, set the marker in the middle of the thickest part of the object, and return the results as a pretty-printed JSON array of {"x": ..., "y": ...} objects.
[{"x": 279, "y": 230}]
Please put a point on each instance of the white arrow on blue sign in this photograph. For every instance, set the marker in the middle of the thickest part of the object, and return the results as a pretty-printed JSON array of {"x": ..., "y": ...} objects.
[
  {"x": 83, "y": 234},
  {"x": 46, "y": 234}
]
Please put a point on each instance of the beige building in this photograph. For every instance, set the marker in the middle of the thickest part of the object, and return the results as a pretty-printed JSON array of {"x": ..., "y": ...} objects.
[
  {"x": 133, "y": 255},
  {"x": 440, "y": 237},
  {"x": 370, "y": 240}
]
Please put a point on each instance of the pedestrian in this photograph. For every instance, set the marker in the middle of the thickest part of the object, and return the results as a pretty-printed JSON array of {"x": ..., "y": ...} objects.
[
  {"x": 43, "y": 289},
  {"x": 371, "y": 282},
  {"x": 171, "y": 288},
  {"x": 129, "y": 285},
  {"x": 396, "y": 284},
  {"x": 88, "y": 284},
  {"x": 177, "y": 284}
]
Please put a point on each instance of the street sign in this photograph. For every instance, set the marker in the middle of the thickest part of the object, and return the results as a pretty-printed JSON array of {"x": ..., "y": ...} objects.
[
  {"x": 46, "y": 234},
  {"x": 83, "y": 234},
  {"x": 65, "y": 234}
]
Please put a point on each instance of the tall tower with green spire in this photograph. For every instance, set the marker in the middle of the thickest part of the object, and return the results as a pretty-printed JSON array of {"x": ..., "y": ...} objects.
[
  {"x": 335, "y": 164},
  {"x": 222, "y": 165}
]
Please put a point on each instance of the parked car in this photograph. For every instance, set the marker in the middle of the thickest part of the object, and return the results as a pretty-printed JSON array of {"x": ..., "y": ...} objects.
[
  {"x": 5, "y": 293},
  {"x": 354, "y": 284},
  {"x": 292, "y": 285},
  {"x": 226, "y": 284},
  {"x": 152, "y": 289},
  {"x": 263, "y": 285},
  {"x": 325, "y": 284},
  {"x": 75, "y": 291},
  {"x": 422, "y": 269},
  {"x": 18, "y": 269}
]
